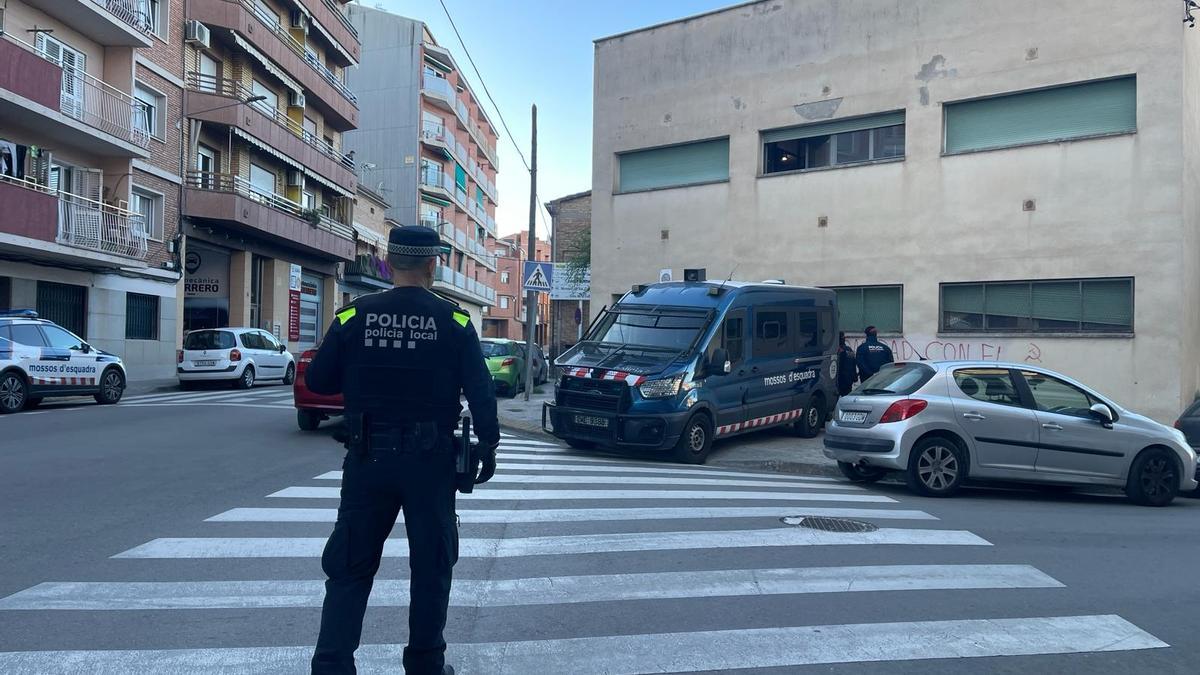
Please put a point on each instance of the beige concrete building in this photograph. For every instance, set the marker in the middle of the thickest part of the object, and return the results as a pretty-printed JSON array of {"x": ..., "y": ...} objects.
[{"x": 1009, "y": 181}]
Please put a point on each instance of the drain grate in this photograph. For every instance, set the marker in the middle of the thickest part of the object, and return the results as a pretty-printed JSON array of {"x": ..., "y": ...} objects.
[{"x": 825, "y": 524}]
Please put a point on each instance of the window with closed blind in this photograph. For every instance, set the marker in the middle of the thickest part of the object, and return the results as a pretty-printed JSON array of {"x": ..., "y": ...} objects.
[
  {"x": 1075, "y": 111},
  {"x": 862, "y": 306},
  {"x": 673, "y": 166},
  {"x": 141, "y": 316},
  {"x": 1052, "y": 306}
]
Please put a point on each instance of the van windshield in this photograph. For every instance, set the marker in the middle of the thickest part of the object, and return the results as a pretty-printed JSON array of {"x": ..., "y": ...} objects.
[{"x": 638, "y": 341}]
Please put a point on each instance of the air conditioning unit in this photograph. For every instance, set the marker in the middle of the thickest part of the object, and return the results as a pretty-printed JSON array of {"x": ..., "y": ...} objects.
[
  {"x": 296, "y": 99},
  {"x": 298, "y": 21},
  {"x": 196, "y": 33},
  {"x": 295, "y": 178}
]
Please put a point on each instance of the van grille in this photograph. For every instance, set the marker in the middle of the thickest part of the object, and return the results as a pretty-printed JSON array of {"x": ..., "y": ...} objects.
[{"x": 588, "y": 394}]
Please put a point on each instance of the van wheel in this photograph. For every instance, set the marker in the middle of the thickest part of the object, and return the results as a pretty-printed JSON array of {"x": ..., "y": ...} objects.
[
  {"x": 937, "y": 467},
  {"x": 858, "y": 473},
  {"x": 307, "y": 420},
  {"x": 695, "y": 441},
  {"x": 112, "y": 387},
  {"x": 1153, "y": 478},
  {"x": 811, "y": 419}
]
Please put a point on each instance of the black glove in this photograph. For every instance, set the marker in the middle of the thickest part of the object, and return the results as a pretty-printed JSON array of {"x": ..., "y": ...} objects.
[{"x": 488, "y": 459}]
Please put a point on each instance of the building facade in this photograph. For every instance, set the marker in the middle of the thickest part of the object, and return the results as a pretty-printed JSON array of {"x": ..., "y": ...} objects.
[
  {"x": 89, "y": 172},
  {"x": 571, "y": 222},
  {"x": 269, "y": 193},
  {"x": 1026, "y": 202},
  {"x": 507, "y": 318},
  {"x": 369, "y": 272},
  {"x": 425, "y": 140}
]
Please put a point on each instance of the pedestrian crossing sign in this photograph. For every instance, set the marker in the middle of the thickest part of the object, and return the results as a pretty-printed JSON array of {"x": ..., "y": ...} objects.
[{"x": 538, "y": 276}]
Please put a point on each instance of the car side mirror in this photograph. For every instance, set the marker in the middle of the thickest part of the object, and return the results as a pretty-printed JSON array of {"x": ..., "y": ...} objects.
[
  {"x": 282, "y": 348},
  {"x": 719, "y": 363},
  {"x": 85, "y": 348},
  {"x": 1102, "y": 413}
]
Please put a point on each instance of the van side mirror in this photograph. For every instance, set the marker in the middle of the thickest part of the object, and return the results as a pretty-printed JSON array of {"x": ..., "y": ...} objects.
[
  {"x": 719, "y": 363},
  {"x": 1102, "y": 413}
]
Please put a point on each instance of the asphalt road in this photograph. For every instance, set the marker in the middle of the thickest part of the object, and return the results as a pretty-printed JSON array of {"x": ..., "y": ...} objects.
[{"x": 181, "y": 533}]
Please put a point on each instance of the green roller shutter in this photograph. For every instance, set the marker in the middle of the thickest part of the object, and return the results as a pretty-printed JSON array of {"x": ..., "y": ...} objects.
[
  {"x": 1108, "y": 304},
  {"x": 850, "y": 309},
  {"x": 882, "y": 308},
  {"x": 1007, "y": 300},
  {"x": 460, "y": 177},
  {"x": 834, "y": 127},
  {"x": 1062, "y": 113},
  {"x": 963, "y": 298},
  {"x": 678, "y": 165},
  {"x": 1056, "y": 301}
]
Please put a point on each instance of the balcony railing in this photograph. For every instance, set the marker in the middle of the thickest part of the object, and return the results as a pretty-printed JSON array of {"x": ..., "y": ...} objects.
[
  {"x": 221, "y": 182},
  {"x": 366, "y": 265},
  {"x": 462, "y": 282},
  {"x": 438, "y": 132},
  {"x": 95, "y": 102},
  {"x": 271, "y": 22},
  {"x": 439, "y": 85},
  {"x": 437, "y": 179},
  {"x": 337, "y": 11},
  {"x": 84, "y": 223},
  {"x": 208, "y": 84},
  {"x": 135, "y": 13}
]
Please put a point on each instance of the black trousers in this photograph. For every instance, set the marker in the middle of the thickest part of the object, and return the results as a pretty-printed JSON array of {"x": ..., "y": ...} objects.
[{"x": 374, "y": 490}]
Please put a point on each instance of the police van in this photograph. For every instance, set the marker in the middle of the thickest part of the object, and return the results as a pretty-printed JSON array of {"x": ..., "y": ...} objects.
[
  {"x": 39, "y": 359},
  {"x": 673, "y": 366}
]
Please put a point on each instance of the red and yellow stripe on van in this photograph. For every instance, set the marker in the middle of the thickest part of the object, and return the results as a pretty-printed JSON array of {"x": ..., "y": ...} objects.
[
  {"x": 760, "y": 422},
  {"x": 64, "y": 381},
  {"x": 616, "y": 375}
]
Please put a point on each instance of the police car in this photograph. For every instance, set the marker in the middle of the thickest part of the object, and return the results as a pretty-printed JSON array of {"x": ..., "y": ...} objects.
[{"x": 39, "y": 358}]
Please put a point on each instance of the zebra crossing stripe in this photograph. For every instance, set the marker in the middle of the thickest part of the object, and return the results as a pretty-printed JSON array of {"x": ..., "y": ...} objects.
[
  {"x": 300, "y": 492},
  {"x": 535, "y": 479},
  {"x": 649, "y": 470},
  {"x": 209, "y": 404},
  {"x": 469, "y": 516},
  {"x": 575, "y": 544},
  {"x": 543, "y": 590},
  {"x": 611, "y": 464},
  {"x": 658, "y": 652}
]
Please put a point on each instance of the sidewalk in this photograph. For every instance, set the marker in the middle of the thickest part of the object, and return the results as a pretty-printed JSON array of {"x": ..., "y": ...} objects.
[
  {"x": 143, "y": 387},
  {"x": 771, "y": 450}
]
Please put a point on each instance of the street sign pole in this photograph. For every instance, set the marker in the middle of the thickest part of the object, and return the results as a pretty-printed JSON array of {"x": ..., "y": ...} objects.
[{"x": 531, "y": 303}]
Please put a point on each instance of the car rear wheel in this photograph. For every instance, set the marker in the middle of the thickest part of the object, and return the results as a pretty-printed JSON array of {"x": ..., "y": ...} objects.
[
  {"x": 1153, "y": 478},
  {"x": 112, "y": 387},
  {"x": 936, "y": 467},
  {"x": 308, "y": 420},
  {"x": 696, "y": 440},
  {"x": 812, "y": 418},
  {"x": 13, "y": 393},
  {"x": 246, "y": 380},
  {"x": 290, "y": 375},
  {"x": 860, "y": 473}
]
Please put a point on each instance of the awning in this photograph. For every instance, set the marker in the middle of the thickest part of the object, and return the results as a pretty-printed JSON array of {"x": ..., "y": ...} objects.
[
  {"x": 370, "y": 236},
  {"x": 329, "y": 184},
  {"x": 434, "y": 200},
  {"x": 267, "y": 149},
  {"x": 438, "y": 64},
  {"x": 268, "y": 64}
]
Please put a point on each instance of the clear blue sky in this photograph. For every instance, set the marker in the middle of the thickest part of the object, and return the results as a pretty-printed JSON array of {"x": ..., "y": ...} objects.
[{"x": 539, "y": 51}]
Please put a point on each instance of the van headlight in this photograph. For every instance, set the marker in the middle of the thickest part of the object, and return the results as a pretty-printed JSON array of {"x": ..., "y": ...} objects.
[{"x": 661, "y": 388}]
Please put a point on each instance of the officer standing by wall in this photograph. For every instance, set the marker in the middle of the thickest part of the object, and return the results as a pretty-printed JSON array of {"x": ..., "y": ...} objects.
[
  {"x": 847, "y": 366},
  {"x": 401, "y": 358},
  {"x": 872, "y": 354}
]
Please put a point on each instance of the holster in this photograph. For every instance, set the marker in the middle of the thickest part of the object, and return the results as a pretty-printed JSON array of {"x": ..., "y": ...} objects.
[
  {"x": 466, "y": 460},
  {"x": 358, "y": 436}
]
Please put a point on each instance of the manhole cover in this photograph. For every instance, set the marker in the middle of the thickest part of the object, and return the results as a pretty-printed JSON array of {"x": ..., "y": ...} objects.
[{"x": 830, "y": 524}]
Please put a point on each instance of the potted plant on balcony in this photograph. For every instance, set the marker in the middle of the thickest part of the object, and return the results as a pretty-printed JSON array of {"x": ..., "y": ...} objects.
[{"x": 313, "y": 217}]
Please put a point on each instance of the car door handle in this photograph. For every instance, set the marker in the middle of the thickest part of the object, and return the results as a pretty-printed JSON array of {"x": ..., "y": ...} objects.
[
  {"x": 1052, "y": 427},
  {"x": 973, "y": 416}
]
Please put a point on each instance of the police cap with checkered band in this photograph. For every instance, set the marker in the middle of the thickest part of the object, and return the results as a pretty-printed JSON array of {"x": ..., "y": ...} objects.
[{"x": 415, "y": 241}]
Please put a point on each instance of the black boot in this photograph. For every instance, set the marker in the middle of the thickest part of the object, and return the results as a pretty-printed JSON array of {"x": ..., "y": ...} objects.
[{"x": 447, "y": 670}]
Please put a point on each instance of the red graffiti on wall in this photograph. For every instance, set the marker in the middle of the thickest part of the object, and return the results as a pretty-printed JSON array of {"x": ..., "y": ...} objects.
[{"x": 953, "y": 350}]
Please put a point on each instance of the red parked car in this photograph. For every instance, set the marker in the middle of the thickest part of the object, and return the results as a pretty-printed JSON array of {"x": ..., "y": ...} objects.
[{"x": 311, "y": 407}]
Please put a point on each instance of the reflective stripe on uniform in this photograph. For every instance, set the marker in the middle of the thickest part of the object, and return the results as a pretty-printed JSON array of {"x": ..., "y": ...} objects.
[
  {"x": 346, "y": 314},
  {"x": 462, "y": 318}
]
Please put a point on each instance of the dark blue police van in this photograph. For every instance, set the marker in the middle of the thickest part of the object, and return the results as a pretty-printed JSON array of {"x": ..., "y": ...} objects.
[{"x": 672, "y": 366}]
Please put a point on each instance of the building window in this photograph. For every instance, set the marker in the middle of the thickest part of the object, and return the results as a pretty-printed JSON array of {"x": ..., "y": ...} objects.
[
  {"x": 148, "y": 116},
  {"x": 504, "y": 302},
  {"x": 862, "y": 306},
  {"x": 266, "y": 12},
  {"x": 504, "y": 277},
  {"x": 141, "y": 316},
  {"x": 156, "y": 17},
  {"x": 674, "y": 166},
  {"x": 1058, "y": 306},
  {"x": 270, "y": 104},
  {"x": 64, "y": 304},
  {"x": 837, "y": 143},
  {"x": 262, "y": 180},
  {"x": 1043, "y": 116},
  {"x": 150, "y": 206}
]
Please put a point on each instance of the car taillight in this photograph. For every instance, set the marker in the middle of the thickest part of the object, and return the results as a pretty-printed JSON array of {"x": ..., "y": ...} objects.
[
  {"x": 178, "y": 356},
  {"x": 507, "y": 362},
  {"x": 235, "y": 355},
  {"x": 306, "y": 357},
  {"x": 903, "y": 409}
]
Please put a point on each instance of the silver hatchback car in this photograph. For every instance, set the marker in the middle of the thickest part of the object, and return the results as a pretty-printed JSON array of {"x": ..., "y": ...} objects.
[{"x": 942, "y": 422}]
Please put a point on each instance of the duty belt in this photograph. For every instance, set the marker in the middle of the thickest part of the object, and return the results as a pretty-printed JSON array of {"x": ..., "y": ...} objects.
[{"x": 405, "y": 438}]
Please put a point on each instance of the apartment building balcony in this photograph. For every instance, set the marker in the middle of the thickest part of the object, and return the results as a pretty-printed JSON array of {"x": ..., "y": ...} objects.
[
  {"x": 82, "y": 111},
  {"x": 233, "y": 201},
  {"x": 438, "y": 183},
  {"x": 212, "y": 100},
  {"x": 437, "y": 136},
  {"x": 263, "y": 31},
  {"x": 461, "y": 286},
  {"x": 368, "y": 271},
  {"x": 441, "y": 93},
  {"x": 463, "y": 113},
  {"x": 61, "y": 227},
  {"x": 336, "y": 27},
  {"x": 113, "y": 23}
]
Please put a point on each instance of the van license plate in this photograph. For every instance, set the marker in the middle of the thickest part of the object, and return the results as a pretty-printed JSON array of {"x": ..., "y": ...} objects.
[
  {"x": 591, "y": 421},
  {"x": 204, "y": 364},
  {"x": 854, "y": 417}
]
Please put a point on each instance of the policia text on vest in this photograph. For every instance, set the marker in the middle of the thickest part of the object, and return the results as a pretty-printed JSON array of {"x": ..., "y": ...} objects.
[{"x": 401, "y": 359}]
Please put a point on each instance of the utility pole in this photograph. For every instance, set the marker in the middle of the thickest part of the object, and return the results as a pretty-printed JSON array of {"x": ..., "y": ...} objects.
[{"x": 531, "y": 297}]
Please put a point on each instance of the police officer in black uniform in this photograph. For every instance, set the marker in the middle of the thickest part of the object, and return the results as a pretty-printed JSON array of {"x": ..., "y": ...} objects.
[
  {"x": 401, "y": 358},
  {"x": 872, "y": 354}
]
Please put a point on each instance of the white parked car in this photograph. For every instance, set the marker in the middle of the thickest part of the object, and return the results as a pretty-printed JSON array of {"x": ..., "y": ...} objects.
[{"x": 238, "y": 355}]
